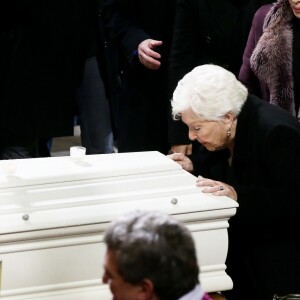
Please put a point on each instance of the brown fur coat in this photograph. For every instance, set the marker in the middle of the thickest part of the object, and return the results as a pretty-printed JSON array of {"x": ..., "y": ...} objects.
[{"x": 271, "y": 60}]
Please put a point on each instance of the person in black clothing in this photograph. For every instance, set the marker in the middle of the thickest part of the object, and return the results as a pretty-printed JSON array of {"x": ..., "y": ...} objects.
[
  {"x": 93, "y": 94},
  {"x": 207, "y": 31},
  {"x": 50, "y": 43},
  {"x": 143, "y": 30}
]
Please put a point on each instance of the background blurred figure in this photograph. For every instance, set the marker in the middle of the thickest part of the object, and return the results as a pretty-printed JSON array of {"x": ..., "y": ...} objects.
[
  {"x": 207, "y": 31},
  {"x": 151, "y": 256},
  {"x": 271, "y": 62},
  {"x": 5, "y": 53},
  {"x": 95, "y": 116},
  {"x": 254, "y": 159},
  {"x": 143, "y": 31},
  {"x": 51, "y": 41}
]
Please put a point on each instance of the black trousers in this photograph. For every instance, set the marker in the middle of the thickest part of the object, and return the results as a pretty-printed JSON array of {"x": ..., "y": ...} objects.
[{"x": 94, "y": 111}]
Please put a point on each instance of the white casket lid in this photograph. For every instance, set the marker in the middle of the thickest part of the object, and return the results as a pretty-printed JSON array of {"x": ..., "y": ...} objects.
[
  {"x": 64, "y": 169},
  {"x": 61, "y": 192}
]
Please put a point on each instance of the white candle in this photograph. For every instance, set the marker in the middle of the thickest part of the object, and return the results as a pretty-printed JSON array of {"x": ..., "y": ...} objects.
[{"x": 77, "y": 152}]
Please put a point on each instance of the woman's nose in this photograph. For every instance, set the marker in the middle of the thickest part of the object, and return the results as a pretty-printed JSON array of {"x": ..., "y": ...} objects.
[{"x": 192, "y": 135}]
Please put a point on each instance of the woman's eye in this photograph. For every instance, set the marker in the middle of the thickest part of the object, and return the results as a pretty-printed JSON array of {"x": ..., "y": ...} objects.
[{"x": 197, "y": 128}]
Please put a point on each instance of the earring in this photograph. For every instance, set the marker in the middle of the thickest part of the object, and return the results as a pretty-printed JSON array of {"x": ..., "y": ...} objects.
[{"x": 228, "y": 132}]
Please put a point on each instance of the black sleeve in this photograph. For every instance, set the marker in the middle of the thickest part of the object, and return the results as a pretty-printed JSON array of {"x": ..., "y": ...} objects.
[
  {"x": 184, "y": 56},
  {"x": 121, "y": 24},
  {"x": 213, "y": 165},
  {"x": 279, "y": 197}
]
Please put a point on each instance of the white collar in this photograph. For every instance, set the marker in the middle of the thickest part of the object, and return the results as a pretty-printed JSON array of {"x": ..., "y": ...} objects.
[{"x": 196, "y": 294}]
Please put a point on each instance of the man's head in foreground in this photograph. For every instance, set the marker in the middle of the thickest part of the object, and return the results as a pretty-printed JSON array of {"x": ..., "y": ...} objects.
[{"x": 149, "y": 256}]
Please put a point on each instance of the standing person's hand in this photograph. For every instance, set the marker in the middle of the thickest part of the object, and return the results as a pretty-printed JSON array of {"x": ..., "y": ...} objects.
[
  {"x": 147, "y": 56},
  {"x": 185, "y": 149}
]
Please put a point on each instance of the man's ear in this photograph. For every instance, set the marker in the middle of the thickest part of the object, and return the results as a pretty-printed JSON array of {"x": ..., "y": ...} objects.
[{"x": 147, "y": 290}]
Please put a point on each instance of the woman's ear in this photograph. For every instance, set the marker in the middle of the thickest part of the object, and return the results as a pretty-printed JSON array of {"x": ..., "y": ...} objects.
[
  {"x": 228, "y": 117},
  {"x": 147, "y": 290}
]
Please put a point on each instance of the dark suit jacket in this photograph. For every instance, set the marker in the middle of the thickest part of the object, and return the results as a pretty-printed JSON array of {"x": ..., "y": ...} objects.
[
  {"x": 143, "y": 110},
  {"x": 49, "y": 46},
  {"x": 264, "y": 236},
  {"x": 208, "y": 31}
]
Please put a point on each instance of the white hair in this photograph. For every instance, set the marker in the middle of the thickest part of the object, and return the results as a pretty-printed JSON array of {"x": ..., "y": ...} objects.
[{"x": 210, "y": 92}]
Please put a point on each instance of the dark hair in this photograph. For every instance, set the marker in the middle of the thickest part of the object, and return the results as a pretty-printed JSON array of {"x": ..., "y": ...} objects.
[{"x": 155, "y": 246}]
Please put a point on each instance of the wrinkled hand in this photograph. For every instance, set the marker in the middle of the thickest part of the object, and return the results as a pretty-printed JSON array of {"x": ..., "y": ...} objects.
[
  {"x": 147, "y": 56},
  {"x": 216, "y": 188},
  {"x": 184, "y": 161},
  {"x": 185, "y": 149}
]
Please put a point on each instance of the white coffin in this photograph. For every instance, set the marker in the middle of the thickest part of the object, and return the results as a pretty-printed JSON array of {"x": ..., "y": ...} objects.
[{"x": 53, "y": 212}]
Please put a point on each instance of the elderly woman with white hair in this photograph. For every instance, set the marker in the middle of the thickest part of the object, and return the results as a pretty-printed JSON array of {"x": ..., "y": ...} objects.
[{"x": 250, "y": 153}]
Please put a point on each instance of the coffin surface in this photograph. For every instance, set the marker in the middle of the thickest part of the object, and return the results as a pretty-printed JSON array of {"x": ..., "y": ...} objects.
[{"x": 53, "y": 213}]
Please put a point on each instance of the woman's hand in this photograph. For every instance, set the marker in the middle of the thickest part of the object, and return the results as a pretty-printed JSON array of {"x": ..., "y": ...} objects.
[
  {"x": 216, "y": 188},
  {"x": 184, "y": 161},
  {"x": 185, "y": 149}
]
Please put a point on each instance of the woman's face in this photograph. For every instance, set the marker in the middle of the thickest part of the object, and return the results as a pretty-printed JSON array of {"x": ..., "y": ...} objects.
[
  {"x": 295, "y": 5},
  {"x": 211, "y": 134}
]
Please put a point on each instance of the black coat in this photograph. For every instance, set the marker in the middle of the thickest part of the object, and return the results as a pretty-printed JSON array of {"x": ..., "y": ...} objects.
[
  {"x": 208, "y": 31},
  {"x": 264, "y": 237},
  {"x": 143, "y": 106},
  {"x": 50, "y": 42}
]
